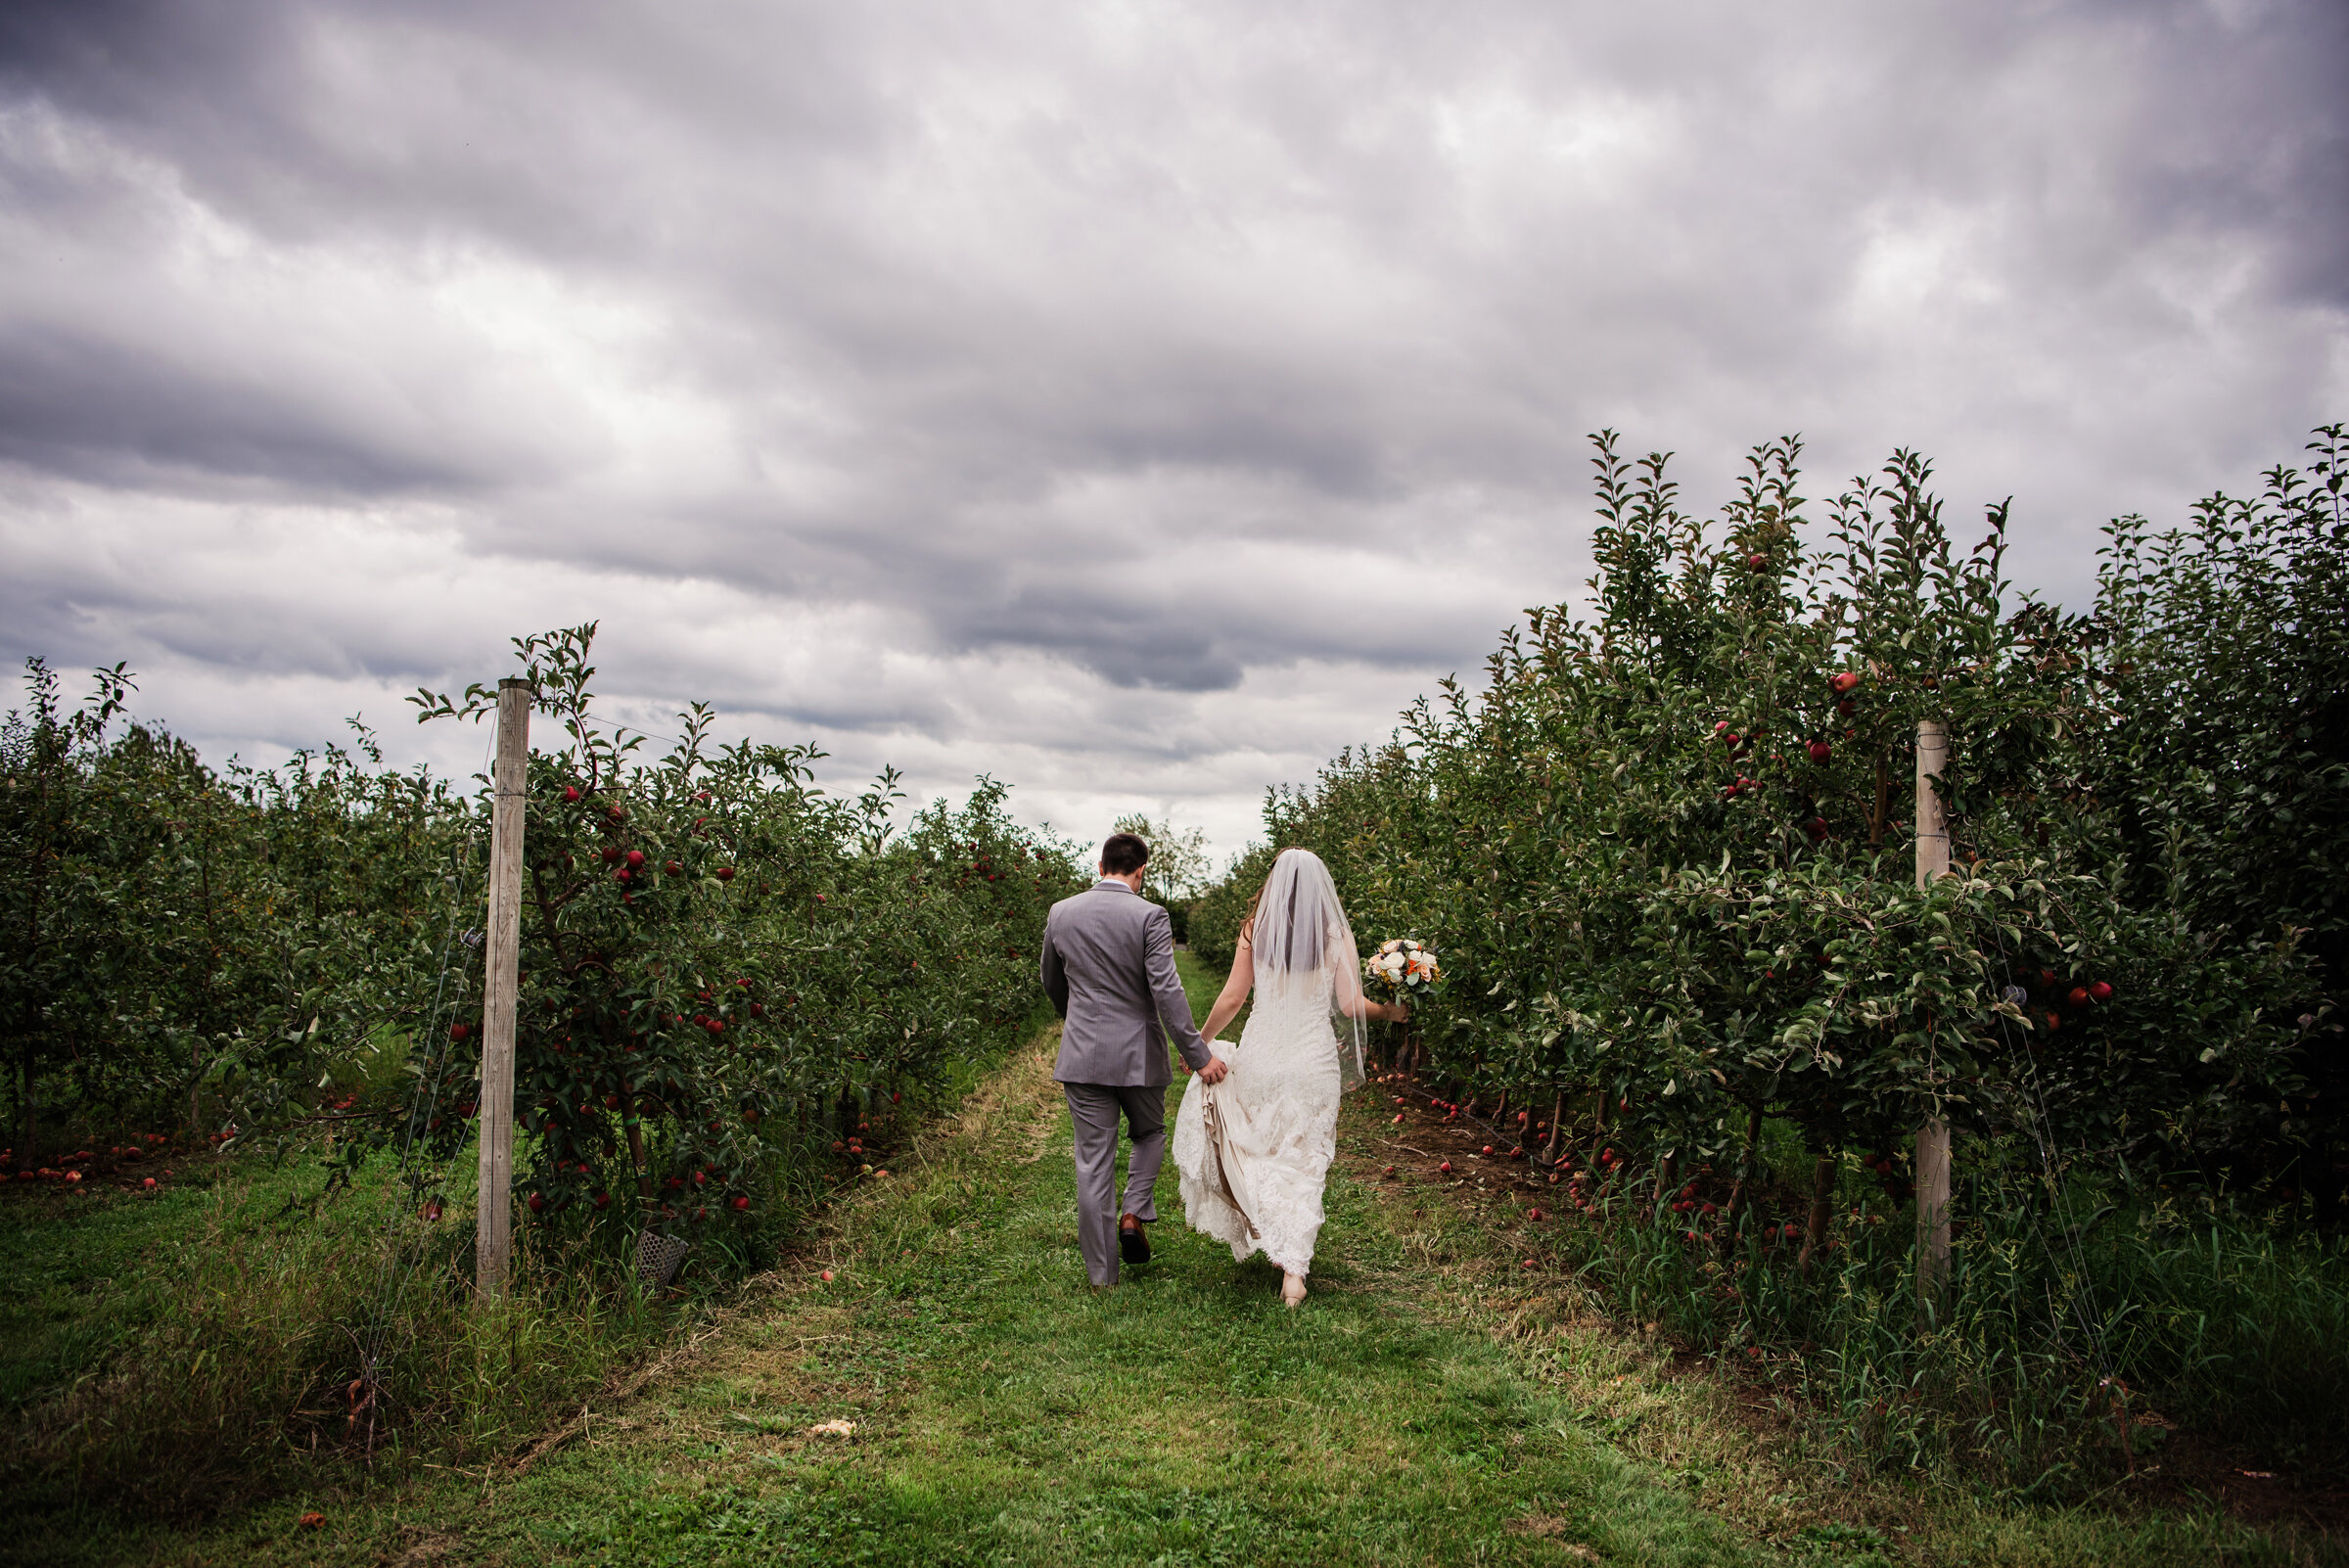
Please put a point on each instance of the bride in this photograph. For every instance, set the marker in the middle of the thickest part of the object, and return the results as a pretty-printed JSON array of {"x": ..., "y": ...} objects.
[{"x": 1250, "y": 1151}]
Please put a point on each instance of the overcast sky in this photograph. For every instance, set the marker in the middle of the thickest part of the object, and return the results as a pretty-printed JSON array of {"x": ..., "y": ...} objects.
[{"x": 1135, "y": 401}]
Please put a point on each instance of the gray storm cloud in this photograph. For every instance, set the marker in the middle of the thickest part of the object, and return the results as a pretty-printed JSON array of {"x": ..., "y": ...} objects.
[{"x": 1133, "y": 402}]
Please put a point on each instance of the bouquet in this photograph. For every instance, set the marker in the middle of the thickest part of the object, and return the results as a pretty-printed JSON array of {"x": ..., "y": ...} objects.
[{"x": 1406, "y": 968}]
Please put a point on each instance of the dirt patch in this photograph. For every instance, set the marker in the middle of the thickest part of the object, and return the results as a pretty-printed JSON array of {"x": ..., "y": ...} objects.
[{"x": 427, "y": 1548}]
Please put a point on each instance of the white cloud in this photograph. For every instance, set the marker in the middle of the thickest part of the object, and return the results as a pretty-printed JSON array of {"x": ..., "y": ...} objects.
[{"x": 1133, "y": 402}]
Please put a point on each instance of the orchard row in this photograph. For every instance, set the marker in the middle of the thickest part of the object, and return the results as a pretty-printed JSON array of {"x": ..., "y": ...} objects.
[
  {"x": 722, "y": 969},
  {"x": 1666, "y": 854}
]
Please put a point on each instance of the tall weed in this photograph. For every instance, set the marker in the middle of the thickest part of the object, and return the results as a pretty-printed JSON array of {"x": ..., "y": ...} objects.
[{"x": 2048, "y": 1360}]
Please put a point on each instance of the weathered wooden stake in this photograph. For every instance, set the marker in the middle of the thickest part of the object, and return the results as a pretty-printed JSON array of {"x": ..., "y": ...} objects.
[
  {"x": 494, "y": 1224},
  {"x": 1933, "y": 1139}
]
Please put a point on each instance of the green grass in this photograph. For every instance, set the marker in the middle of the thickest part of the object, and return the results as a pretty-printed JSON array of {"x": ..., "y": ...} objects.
[
  {"x": 1432, "y": 1402},
  {"x": 83, "y": 1269},
  {"x": 1004, "y": 1413}
]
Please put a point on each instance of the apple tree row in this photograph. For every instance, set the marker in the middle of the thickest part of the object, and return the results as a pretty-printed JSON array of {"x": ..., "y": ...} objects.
[{"x": 1667, "y": 854}]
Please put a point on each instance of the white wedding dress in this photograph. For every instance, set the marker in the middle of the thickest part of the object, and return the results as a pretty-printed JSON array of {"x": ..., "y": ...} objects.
[{"x": 1258, "y": 1184}]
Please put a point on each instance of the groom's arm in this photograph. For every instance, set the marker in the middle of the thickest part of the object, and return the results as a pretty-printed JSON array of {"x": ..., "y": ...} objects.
[
  {"x": 1165, "y": 989},
  {"x": 1053, "y": 974}
]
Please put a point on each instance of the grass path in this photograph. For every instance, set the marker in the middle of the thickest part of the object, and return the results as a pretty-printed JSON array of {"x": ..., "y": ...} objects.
[
  {"x": 1431, "y": 1404},
  {"x": 1002, "y": 1413}
]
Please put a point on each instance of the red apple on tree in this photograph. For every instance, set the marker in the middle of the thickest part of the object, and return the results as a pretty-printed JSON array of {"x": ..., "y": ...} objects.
[
  {"x": 2100, "y": 991},
  {"x": 1845, "y": 684}
]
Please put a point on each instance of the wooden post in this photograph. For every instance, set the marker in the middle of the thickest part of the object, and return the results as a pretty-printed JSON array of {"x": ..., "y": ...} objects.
[
  {"x": 493, "y": 1224},
  {"x": 1933, "y": 1139}
]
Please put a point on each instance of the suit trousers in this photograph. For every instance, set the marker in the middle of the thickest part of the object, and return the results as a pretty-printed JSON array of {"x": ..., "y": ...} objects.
[{"x": 1093, "y": 1110}]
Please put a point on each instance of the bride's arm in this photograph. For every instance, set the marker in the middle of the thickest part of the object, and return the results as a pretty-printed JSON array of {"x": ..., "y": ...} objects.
[{"x": 1235, "y": 989}]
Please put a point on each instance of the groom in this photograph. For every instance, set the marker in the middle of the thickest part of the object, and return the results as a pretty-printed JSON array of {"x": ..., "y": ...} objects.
[{"x": 1109, "y": 968}]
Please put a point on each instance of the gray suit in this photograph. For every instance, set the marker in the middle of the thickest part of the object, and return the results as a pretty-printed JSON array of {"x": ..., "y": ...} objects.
[{"x": 1108, "y": 965}]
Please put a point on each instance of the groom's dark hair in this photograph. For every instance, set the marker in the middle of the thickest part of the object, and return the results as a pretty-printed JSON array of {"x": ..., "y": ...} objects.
[{"x": 1123, "y": 855}]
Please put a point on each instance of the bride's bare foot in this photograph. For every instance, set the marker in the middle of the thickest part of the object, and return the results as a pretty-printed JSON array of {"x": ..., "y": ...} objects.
[{"x": 1292, "y": 1289}]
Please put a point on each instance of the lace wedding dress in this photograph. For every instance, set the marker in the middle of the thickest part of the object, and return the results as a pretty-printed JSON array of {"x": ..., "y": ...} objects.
[{"x": 1250, "y": 1152}]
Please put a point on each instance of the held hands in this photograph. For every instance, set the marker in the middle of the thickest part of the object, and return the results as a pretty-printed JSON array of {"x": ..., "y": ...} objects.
[{"x": 1214, "y": 1071}]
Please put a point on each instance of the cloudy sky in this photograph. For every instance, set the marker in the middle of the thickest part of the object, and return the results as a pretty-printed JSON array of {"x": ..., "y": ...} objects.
[{"x": 1136, "y": 401}]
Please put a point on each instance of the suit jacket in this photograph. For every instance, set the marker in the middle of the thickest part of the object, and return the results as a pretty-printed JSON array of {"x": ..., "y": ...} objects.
[{"x": 1109, "y": 967}]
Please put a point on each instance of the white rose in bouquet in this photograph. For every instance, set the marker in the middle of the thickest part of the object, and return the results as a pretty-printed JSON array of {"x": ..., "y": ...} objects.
[{"x": 1406, "y": 967}]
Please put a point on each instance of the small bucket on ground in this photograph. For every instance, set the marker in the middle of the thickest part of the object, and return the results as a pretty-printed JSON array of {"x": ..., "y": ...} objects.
[{"x": 658, "y": 1256}]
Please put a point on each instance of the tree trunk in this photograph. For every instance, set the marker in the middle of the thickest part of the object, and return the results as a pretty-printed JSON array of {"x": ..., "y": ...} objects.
[
  {"x": 1668, "y": 1176},
  {"x": 644, "y": 1176},
  {"x": 1745, "y": 1169},
  {"x": 1822, "y": 1198}
]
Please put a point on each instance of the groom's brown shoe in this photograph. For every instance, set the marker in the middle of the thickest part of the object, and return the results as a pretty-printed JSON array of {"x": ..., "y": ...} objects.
[{"x": 1133, "y": 1245}]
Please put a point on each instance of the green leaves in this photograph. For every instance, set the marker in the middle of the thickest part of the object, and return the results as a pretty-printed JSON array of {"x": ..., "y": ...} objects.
[
  {"x": 727, "y": 967},
  {"x": 718, "y": 959},
  {"x": 1685, "y": 821}
]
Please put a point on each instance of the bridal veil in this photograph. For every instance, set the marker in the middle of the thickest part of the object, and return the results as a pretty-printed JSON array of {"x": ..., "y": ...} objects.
[{"x": 1301, "y": 931}]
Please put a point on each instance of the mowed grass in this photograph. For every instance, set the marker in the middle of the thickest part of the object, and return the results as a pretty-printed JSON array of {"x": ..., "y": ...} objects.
[
  {"x": 1004, "y": 1413},
  {"x": 1433, "y": 1403}
]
